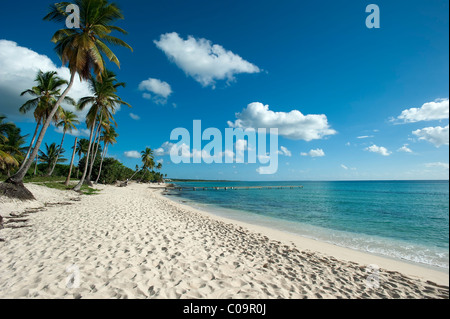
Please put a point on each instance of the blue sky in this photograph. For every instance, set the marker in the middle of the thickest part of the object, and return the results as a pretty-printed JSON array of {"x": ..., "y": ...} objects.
[{"x": 318, "y": 58}]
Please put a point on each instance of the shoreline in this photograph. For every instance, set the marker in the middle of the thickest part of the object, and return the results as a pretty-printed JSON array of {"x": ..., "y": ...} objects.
[
  {"x": 416, "y": 270},
  {"x": 133, "y": 242}
]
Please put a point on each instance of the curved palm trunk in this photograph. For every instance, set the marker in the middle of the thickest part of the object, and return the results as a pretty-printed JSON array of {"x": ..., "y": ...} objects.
[
  {"x": 71, "y": 162},
  {"x": 86, "y": 165},
  {"x": 137, "y": 171},
  {"x": 31, "y": 144},
  {"x": 57, "y": 156},
  {"x": 17, "y": 179},
  {"x": 101, "y": 163}
]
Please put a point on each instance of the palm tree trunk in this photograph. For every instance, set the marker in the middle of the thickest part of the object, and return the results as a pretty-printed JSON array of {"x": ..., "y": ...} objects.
[
  {"x": 17, "y": 179},
  {"x": 59, "y": 152},
  {"x": 137, "y": 171},
  {"x": 101, "y": 163},
  {"x": 71, "y": 162},
  {"x": 35, "y": 166},
  {"x": 94, "y": 154},
  {"x": 86, "y": 164},
  {"x": 31, "y": 144}
]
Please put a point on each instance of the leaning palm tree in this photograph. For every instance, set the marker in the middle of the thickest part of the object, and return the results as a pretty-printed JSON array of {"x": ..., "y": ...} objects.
[
  {"x": 83, "y": 49},
  {"x": 148, "y": 161},
  {"x": 51, "y": 155},
  {"x": 103, "y": 105},
  {"x": 67, "y": 123},
  {"x": 45, "y": 94},
  {"x": 109, "y": 137}
]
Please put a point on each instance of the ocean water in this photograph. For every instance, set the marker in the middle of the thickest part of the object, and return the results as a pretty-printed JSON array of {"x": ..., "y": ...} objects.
[{"x": 406, "y": 220}]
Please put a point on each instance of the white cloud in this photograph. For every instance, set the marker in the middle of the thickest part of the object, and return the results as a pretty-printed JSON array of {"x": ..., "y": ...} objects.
[
  {"x": 18, "y": 69},
  {"x": 436, "y": 135},
  {"x": 365, "y": 136},
  {"x": 132, "y": 154},
  {"x": 437, "y": 110},
  {"x": 76, "y": 132},
  {"x": 344, "y": 167},
  {"x": 405, "y": 149},
  {"x": 135, "y": 117},
  {"x": 314, "y": 153},
  {"x": 164, "y": 149},
  {"x": 202, "y": 60},
  {"x": 284, "y": 151},
  {"x": 293, "y": 125},
  {"x": 161, "y": 90},
  {"x": 437, "y": 164},
  {"x": 379, "y": 150}
]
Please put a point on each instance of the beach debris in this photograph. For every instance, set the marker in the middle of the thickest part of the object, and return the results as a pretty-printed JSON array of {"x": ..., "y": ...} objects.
[{"x": 1, "y": 222}]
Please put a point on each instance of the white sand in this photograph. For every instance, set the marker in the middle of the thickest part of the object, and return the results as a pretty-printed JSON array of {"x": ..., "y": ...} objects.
[{"x": 134, "y": 243}]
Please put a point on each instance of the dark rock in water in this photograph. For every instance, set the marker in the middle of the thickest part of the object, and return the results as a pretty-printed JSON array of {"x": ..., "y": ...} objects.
[{"x": 1, "y": 222}]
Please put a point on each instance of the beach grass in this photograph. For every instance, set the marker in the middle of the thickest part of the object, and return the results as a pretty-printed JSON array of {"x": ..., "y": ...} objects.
[{"x": 56, "y": 182}]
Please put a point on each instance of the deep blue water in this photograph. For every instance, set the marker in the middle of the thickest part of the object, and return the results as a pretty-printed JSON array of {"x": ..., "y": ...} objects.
[{"x": 401, "y": 219}]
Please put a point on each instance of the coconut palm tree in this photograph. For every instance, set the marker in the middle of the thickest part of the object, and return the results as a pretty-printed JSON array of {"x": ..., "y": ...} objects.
[
  {"x": 103, "y": 105},
  {"x": 11, "y": 142},
  {"x": 67, "y": 123},
  {"x": 108, "y": 138},
  {"x": 83, "y": 49},
  {"x": 15, "y": 146},
  {"x": 71, "y": 162},
  {"x": 81, "y": 149},
  {"x": 45, "y": 94},
  {"x": 51, "y": 155},
  {"x": 148, "y": 161}
]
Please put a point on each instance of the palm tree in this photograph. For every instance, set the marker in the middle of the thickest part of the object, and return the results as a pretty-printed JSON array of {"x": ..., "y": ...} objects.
[
  {"x": 108, "y": 138},
  {"x": 148, "y": 161},
  {"x": 45, "y": 94},
  {"x": 51, "y": 155},
  {"x": 10, "y": 145},
  {"x": 68, "y": 121},
  {"x": 71, "y": 162},
  {"x": 103, "y": 105},
  {"x": 83, "y": 50},
  {"x": 81, "y": 149},
  {"x": 15, "y": 146}
]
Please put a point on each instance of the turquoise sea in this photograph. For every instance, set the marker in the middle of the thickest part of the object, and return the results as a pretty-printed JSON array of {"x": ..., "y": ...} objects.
[{"x": 406, "y": 220}]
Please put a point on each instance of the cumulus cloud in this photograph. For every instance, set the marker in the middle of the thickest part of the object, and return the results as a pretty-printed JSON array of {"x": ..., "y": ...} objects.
[
  {"x": 314, "y": 153},
  {"x": 284, "y": 151},
  {"x": 436, "y": 135},
  {"x": 293, "y": 125},
  {"x": 75, "y": 132},
  {"x": 379, "y": 150},
  {"x": 164, "y": 149},
  {"x": 405, "y": 149},
  {"x": 132, "y": 154},
  {"x": 18, "y": 69},
  {"x": 437, "y": 110},
  {"x": 135, "y": 117},
  {"x": 160, "y": 90},
  {"x": 202, "y": 60}
]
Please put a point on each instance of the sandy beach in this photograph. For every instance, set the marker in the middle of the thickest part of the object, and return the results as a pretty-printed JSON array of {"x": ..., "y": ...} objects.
[{"x": 135, "y": 243}]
